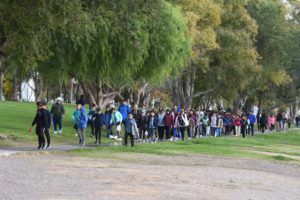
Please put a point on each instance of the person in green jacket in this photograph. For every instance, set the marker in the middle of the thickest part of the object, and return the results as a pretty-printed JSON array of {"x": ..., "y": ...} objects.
[
  {"x": 116, "y": 119},
  {"x": 57, "y": 112}
]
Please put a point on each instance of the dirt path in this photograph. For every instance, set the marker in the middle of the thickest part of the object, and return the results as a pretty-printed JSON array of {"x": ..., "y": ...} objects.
[{"x": 139, "y": 176}]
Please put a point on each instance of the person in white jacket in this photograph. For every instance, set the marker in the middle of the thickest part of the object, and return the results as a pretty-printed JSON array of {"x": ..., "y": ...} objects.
[{"x": 182, "y": 122}]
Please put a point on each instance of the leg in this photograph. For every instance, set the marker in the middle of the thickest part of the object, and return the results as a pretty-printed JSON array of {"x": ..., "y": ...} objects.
[
  {"x": 59, "y": 122},
  {"x": 79, "y": 133},
  {"x": 55, "y": 124},
  {"x": 125, "y": 138},
  {"x": 131, "y": 139},
  {"x": 182, "y": 130},
  {"x": 47, "y": 133}
]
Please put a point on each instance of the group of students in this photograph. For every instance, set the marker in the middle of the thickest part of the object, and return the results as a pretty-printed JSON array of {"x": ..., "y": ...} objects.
[{"x": 151, "y": 126}]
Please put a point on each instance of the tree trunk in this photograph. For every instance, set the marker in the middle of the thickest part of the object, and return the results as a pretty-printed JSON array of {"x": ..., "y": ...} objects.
[
  {"x": 87, "y": 92},
  {"x": 15, "y": 90}
]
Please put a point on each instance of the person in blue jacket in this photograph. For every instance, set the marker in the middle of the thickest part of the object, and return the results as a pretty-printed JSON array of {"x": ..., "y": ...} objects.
[
  {"x": 81, "y": 125},
  {"x": 98, "y": 120},
  {"x": 227, "y": 123},
  {"x": 152, "y": 126},
  {"x": 252, "y": 121},
  {"x": 107, "y": 118},
  {"x": 124, "y": 109}
]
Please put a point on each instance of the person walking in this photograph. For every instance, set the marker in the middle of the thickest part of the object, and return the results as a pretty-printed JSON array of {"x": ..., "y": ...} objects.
[
  {"x": 47, "y": 130},
  {"x": 244, "y": 122},
  {"x": 124, "y": 109},
  {"x": 98, "y": 121},
  {"x": 161, "y": 124},
  {"x": 152, "y": 125},
  {"x": 81, "y": 125},
  {"x": 252, "y": 120},
  {"x": 213, "y": 124},
  {"x": 41, "y": 122},
  {"x": 116, "y": 120},
  {"x": 107, "y": 118},
  {"x": 91, "y": 113},
  {"x": 168, "y": 124},
  {"x": 227, "y": 123},
  {"x": 57, "y": 112},
  {"x": 219, "y": 126},
  {"x": 130, "y": 129},
  {"x": 263, "y": 122},
  {"x": 279, "y": 121},
  {"x": 237, "y": 125}
]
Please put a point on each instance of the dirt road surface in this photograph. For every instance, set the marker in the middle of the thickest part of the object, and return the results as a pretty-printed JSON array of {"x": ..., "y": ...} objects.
[{"x": 140, "y": 176}]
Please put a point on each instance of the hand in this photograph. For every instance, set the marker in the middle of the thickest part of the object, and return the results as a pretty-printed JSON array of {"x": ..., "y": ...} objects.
[{"x": 30, "y": 130}]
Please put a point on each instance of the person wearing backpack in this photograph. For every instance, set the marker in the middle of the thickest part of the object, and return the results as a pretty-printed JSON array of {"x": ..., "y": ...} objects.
[
  {"x": 57, "y": 112},
  {"x": 182, "y": 123},
  {"x": 168, "y": 124}
]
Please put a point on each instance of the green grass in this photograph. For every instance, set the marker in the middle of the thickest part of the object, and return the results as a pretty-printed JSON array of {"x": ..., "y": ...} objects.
[
  {"x": 250, "y": 147},
  {"x": 16, "y": 118}
]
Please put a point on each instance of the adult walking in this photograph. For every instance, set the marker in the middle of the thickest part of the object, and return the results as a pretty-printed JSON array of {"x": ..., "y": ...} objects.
[
  {"x": 57, "y": 112},
  {"x": 161, "y": 124},
  {"x": 263, "y": 121},
  {"x": 41, "y": 122},
  {"x": 252, "y": 121}
]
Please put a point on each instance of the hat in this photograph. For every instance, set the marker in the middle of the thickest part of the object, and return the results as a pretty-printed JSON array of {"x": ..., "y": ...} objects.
[
  {"x": 39, "y": 103},
  {"x": 58, "y": 99}
]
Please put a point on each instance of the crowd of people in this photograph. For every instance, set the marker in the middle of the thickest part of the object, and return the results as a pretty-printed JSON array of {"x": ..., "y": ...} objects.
[{"x": 143, "y": 126}]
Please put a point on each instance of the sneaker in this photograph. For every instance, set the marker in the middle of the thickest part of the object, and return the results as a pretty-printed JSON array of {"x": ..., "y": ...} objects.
[
  {"x": 44, "y": 147},
  {"x": 55, "y": 132},
  {"x": 60, "y": 132},
  {"x": 83, "y": 144},
  {"x": 80, "y": 141},
  {"x": 49, "y": 147}
]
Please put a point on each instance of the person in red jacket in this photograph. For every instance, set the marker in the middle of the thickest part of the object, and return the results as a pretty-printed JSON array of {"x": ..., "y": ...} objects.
[
  {"x": 168, "y": 124},
  {"x": 238, "y": 125}
]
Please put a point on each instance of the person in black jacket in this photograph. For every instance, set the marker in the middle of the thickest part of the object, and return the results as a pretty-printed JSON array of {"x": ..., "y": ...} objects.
[
  {"x": 98, "y": 120},
  {"x": 263, "y": 122},
  {"x": 41, "y": 122},
  {"x": 47, "y": 130}
]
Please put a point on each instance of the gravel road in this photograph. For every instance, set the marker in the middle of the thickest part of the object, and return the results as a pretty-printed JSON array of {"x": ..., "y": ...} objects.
[{"x": 140, "y": 176}]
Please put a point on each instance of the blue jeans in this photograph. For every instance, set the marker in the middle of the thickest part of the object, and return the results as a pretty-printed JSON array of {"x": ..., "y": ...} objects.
[
  {"x": 57, "y": 120},
  {"x": 108, "y": 131},
  {"x": 218, "y": 132}
]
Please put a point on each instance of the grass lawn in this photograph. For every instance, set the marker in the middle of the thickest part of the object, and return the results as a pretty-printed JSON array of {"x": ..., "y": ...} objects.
[
  {"x": 16, "y": 118},
  {"x": 275, "y": 146}
]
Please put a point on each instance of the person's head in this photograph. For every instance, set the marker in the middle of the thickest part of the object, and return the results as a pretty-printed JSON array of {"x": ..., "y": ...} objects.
[
  {"x": 130, "y": 115},
  {"x": 152, "y": 113},
  {"x": 58, "y": 100},
  {"x": 168, "y": 111},
  {"x": 191, "y": 112},
  {"x": 78, "y": 106},
  {"x": 107, "y": 107},
  {"x": 143, "y": 112},
  {"x": 135, "y": 107},
  {"x": 124, "y": 102},
  {"x": 98, "y": 110},
  {"x": 113, "y": 109},
  {"x": 39, "y": 104},
  {"x": 93, "y": 106},
  {"x": 44, "y": 104},
  {"x": 161, "y": 110},
  {"x": 81, "y": 96}
]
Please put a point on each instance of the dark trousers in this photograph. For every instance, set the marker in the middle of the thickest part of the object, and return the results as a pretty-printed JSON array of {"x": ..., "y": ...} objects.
[
  {"x": 168, "y": 132},
  {"x": 92, "y": 129},
  {"x": 98, "y": 134},
  {"x": 243, "y": 130},
  {"x": 161, "y": 130},
  {"x": 182, "y": 131},
  {"x": 41, "y": 138},
  {"x": 131, "y": 139},
  {"x": 252, "y": 128},
  {"x": 227, "y": 130},
  {"x": 47, "y": 133},
  {"x": 57, "y": 121},
  {"x": 203, "y": 131}
]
